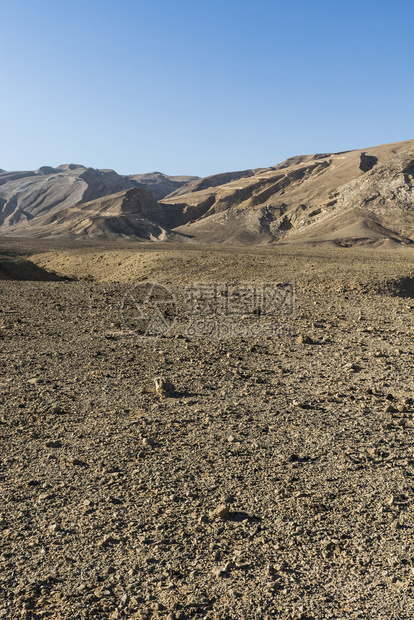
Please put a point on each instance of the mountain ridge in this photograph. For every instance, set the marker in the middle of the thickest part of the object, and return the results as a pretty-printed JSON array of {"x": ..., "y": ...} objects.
[{"x": 347, "y": 197}]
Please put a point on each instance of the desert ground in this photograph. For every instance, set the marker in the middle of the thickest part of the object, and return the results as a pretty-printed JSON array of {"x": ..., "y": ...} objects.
[{"x": 271, "y": 477}]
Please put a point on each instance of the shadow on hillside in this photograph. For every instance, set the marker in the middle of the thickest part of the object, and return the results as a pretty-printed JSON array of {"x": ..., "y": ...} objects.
[
  {"x": 15, "y": 267},
  {"x": 402, "y": 287}
]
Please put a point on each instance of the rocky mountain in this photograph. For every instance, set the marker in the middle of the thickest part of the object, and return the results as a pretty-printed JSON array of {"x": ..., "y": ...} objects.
[
  {"x": 128, "y": 213},
  {"x": 360, "y": 196},
  {"x": 215, "y": 180},
  {"x": 348, "y": 197},
  {"x": 24, "y": 196},
  {"x": 159, "y": 184},
  {"x": 67, "y": 200}
]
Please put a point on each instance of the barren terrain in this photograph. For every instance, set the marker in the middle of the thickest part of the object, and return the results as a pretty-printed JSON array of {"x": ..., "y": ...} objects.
[
  {"x": 273, "y": 479},
  {"x": 359, "y": 197}
]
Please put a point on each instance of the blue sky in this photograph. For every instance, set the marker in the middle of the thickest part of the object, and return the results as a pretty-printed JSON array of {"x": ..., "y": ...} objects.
[{"x": 200, "y": 88}]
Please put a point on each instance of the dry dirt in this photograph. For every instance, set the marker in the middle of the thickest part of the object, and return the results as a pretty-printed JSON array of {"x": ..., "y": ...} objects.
[{"x": 275, "y": 479}]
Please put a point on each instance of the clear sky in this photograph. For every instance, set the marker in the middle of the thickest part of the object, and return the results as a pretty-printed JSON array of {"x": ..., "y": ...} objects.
[{"x": 187, "y": 87}]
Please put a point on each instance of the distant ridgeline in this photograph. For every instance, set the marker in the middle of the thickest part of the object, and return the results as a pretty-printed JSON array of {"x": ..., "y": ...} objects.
[{"x": 350, "y": 197}]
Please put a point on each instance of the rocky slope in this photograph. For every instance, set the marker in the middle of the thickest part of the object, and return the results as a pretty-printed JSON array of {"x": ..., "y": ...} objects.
[
  {"x": 159, "y": 184},
  {"x": 214, "y": 180},
  {"x": 73, "y": 200},
  {"x": 128, "y": 214},
  {"x": 25, "y": 196},
  {"x": 363, "y": 196},
  {"x": 346, "y": 197}
]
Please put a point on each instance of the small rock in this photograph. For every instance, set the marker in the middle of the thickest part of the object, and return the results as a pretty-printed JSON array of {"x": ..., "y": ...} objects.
[
  {"x": 222, "y": 511},
  {"x": 107, "y": 540},
  {"x": 304, "y": 339},
  {"x": 43, "y": 497},
  {"x": 124, "y": 599},
  {"x": 163, "y": 387},
  {"x": 56, "y": 410},
  {"x": 351, "y": 367},
  {"x": 281, "y": 567},
  {"x": 72, "y": 462},
  {"x": 219, "y": 571},
  {"x": 390, "y": 409},
  {"x": 113, "y": 500}
]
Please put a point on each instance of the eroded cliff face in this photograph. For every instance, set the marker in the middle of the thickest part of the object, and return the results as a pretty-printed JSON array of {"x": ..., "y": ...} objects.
[
  {"x": 316, "y": 197},
  {"x": 24, "y": 196},
  {"x": 358, "y": 196}
]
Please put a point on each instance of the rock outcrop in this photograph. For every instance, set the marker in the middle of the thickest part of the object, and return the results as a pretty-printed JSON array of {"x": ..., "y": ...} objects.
[{"x": 367, "y": 162}]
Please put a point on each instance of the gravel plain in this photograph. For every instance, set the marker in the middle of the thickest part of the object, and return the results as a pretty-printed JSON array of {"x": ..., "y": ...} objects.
[{"x": 274, "y": 478}]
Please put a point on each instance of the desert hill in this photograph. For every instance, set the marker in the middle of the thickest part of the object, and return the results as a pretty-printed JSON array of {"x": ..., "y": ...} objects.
[
  {"x": 128, "y": 213},
  {"x": 67, "y": 201},
  {"x": 159, "y": 184},
  {"x": 27, "y": 195},
  {"x": 319, "y": 197},
  {"x": 361, "y": 196},
  {"x": 214, "y": 180}
]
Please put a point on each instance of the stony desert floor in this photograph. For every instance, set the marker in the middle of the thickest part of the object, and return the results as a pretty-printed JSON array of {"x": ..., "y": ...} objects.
[{"x": 273, "y": 479}]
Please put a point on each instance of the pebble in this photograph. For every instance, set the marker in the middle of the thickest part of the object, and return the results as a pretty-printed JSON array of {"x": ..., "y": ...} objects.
[
  {"x": 174, "y": 503},
  {"x": 222, "y": 511},
  {"x": 56, "y": 409},
  {"x": 304, "y": 339},
  {"x": 220, "y": 571},
  {"x": 72, "y": 462},
  {"x": 390, "y": 409},
  {"x": 351, "y": 366},
  {"x": 108, "y": 540},
  {"x": 163, "y": 387}
]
